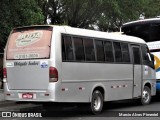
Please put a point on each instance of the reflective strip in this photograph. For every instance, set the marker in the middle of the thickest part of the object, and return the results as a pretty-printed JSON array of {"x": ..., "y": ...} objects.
[{"x": 119, "y": 86}]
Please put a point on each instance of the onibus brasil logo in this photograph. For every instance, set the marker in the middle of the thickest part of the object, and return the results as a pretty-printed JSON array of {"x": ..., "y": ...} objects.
[{"x": 29, "y": 38}]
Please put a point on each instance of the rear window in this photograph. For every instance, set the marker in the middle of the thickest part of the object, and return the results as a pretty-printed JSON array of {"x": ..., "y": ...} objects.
[{"x": 29, "y": 43}]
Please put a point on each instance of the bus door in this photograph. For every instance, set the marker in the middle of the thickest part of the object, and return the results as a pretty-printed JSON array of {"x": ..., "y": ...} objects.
[{"x": 137, "y": 71}]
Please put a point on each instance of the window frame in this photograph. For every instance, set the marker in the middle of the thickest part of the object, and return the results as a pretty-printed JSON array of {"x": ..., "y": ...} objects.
[
  {"x": 140, "y": 55},
  {"x": 144, "y": 61},
  {"x": 103, "y": 41},
  {"x": 74, "y": 46},
  {"x": 102, "y": 50},
  {"x": 112, "y": 51},
  {"x": 90, "y": 39},
  {"x": 115, "y": 60},
  {"x": 66, "y": 59},
  {"x": 128, "y": 53}
]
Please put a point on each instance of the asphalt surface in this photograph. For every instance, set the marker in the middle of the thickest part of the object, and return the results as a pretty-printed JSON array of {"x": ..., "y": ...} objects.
[
  {"x": 1, "y": 95},
  {"x": 112, "y": 110}
]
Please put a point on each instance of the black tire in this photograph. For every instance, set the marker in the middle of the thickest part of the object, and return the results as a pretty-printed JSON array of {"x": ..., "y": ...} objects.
[
  {"x": 96, "y": 102},
  {"x": 146, "y": 96}
]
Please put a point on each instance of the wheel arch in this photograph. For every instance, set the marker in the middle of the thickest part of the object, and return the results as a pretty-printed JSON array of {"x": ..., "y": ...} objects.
[
  {"x": 146, "y": 94},
  {"x": 148, "y": 84},
  {"x": 99, "y": 87}
]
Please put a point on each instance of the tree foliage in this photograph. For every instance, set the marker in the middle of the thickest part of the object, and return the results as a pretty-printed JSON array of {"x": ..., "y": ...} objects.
[
  {"x": 104, "y": 15},
  {"x": 14, "y": 13}
]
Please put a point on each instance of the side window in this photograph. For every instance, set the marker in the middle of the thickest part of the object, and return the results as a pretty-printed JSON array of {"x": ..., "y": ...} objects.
[
  {"x": 63, "y": 49},
  {"x": 136, "y": 55},
  {"x": 148, "y": 59},
  {"x": 125, "y": 52},
  {"x": 89, "y": 49},
  {"x": 108, "y": 51},
  {"x": 117, "y": 50},
  {"x": 145, "y": 53},
  {"x": 79, "y": 49},
  {"x": 67, "y": 48},
  {"x": 99, "y": 50}
]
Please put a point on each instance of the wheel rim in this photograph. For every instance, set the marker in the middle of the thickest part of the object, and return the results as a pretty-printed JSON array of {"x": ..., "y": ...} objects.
[
  {"x": 97, "y": 103},
  {"x": 145, "y": 96}
]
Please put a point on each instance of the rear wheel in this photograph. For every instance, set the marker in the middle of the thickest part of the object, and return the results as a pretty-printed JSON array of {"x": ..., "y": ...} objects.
[
  {"x": 96, "y": 102},
  {"x": 146, "y": 96}
]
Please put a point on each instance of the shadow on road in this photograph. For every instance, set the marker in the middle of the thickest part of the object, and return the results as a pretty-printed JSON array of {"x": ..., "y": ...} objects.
[{"x": 72, "y": 110}]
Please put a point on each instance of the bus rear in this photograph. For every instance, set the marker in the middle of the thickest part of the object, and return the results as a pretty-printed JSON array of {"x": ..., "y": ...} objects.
[{"x": 28, "y": 50}]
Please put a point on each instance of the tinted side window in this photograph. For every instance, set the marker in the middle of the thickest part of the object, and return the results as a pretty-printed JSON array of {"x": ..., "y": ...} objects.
[
  {"x": 108, "y": 51},
  {"x": 136, "y": 55},
  {"x": 144, "y": 54},
  {"x": 89, "y": 49},
  {"x": 67, "y": 48},
  {"x": 117, "y": 50},
  {"x": 99, "y": 50},
  {"x": 148, "y": 59},
  {"x": 63, "y": 49},
  {"x": 79, "y": 49},
  {"x": 125, "y": 52}
]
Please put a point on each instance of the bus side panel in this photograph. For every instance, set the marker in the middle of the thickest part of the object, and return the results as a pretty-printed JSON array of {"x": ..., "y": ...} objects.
[
  {"x": 82, "y": 91},
  {"x": 79, "y": 79},
  {"x": 149, "y": 77}
]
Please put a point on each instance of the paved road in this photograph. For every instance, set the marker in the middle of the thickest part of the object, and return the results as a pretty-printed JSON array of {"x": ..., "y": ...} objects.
[
  {"x": 72, "y": 112},
  {"x": 1, "y": 95}
]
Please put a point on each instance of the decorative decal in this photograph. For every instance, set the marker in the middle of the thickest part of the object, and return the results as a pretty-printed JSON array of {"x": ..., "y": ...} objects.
[
  {"x": 29, "y": 38},
  {"x": 26, "y": 56},
  {"x": 10, "y": 64},
  {"x": 44, "y": 64},
  {"x": 30, "y": 63},
  {"x": 29, "y": 44}
]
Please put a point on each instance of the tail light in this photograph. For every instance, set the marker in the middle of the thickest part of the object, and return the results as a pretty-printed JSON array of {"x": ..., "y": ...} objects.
[
  {"x": 4, "y": 73},
  {"x": 53, "y": 74}
]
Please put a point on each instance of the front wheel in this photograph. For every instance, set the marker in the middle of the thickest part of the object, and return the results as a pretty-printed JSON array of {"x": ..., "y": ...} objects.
[
  {"x": 146, "y": 96},
  {"x": 97, "y": 102}
]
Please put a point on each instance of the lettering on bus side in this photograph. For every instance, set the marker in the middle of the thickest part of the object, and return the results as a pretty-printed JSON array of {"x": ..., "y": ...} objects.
[{"x": 30, "y": 63}]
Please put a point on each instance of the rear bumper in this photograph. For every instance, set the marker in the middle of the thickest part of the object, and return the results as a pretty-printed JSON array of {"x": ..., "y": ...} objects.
[{"x": 38, "y": 95}]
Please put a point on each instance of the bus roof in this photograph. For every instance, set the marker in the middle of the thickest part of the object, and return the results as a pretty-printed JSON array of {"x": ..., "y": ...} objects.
[
  {"x": 102, "y": 35},
  {"x": 154, "y": 45},
  {"x": 91, "y": 33},
  {"x": 143, "y": 21}
]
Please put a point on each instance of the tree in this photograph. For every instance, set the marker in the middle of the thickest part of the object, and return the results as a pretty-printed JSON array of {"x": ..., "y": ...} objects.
[
  {"x": 151, "y": 8},
  {"x": 75, "y": 13},
  {"x": 82, "y": 13},
  {"x": 14, "y": 13},
  {"x": 105, "y": 15},
  {"x": 119, "y": 12}
]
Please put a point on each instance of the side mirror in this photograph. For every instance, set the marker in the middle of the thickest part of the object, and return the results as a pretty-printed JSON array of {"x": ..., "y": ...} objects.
[{"x": 149, "y": 56}]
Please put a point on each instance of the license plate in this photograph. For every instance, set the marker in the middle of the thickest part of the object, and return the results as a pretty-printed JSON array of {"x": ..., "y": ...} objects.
[{"x": 27, "y": 96}]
